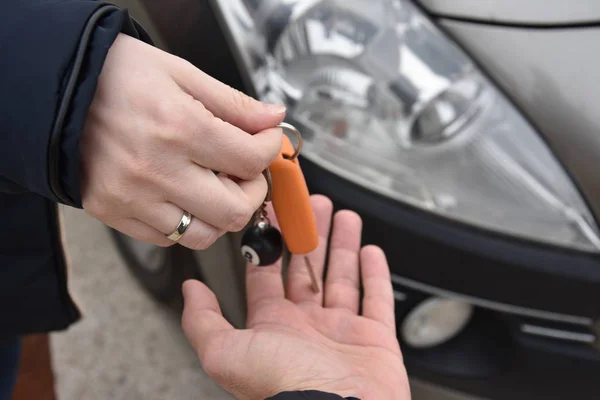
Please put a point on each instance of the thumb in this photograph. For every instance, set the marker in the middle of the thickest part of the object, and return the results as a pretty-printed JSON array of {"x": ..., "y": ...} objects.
[
  {"x": 227, "y": 103},
  {"x": 202, "y": 319}
]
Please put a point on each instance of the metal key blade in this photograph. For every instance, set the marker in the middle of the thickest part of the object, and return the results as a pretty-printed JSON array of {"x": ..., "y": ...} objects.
[{"x": 313, "y": 277}]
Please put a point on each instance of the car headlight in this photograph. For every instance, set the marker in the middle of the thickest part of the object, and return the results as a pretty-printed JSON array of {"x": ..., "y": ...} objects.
[{"x": 387, "y": 101}]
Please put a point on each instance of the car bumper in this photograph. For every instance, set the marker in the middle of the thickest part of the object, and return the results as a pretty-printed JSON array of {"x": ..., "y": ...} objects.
[{"x": 535, "y": 307}]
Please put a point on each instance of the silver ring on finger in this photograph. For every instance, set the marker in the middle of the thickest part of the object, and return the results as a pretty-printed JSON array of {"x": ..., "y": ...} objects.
[{"x": 185, "y": 221}]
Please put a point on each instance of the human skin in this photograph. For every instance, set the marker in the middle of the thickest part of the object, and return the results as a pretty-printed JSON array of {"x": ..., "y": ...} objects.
[
  {"x": 157, "y": 129},
  {"x": 300, "y": 340}
]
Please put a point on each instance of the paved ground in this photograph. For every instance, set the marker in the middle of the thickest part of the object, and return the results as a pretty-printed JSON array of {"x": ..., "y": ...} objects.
[{"x": 127, "y": 346}]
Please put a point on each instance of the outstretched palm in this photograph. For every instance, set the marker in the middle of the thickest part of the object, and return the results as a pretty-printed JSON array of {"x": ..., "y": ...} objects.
[{"x": 298, "y": 340}]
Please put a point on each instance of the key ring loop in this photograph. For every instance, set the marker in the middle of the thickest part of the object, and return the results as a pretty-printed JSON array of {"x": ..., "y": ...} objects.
[
  {"x": 261, "y": 214},
  {"x": 292, "y": 128},
  {"x": 267, "y": 174}
]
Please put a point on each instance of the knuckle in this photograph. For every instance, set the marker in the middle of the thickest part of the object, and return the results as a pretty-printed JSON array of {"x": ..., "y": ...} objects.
[
  {"x": 213, "y": 127},
  {"x": 241, "y": 100},
  {"x": 201, "y": 244},
  {"x": 256, "y": 163},
  {"x": 175, "y": 126},
  {"x": 184, "y": 63},
  {"x": 257, "y": 200},
  {"x": 124, "y": 202},
  {"x": 347, "y": 282},
  {"x": 144, "y": 167},
  {"x": 239, "y": 216},
  {"x": 204, "y": 241},
  {"x": 380, "y": 298},
  {"x": 164, "y": 112},
  {"x": 180, "y": 130},
  {"x": 139, "y": 167}
]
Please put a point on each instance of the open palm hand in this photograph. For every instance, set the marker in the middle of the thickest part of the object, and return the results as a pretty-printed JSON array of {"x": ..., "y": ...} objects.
[{"x": 300, "y": 340}]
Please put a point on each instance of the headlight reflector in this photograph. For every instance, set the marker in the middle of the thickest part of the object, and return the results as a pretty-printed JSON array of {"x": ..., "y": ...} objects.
[{"x": 388, "y": 102}]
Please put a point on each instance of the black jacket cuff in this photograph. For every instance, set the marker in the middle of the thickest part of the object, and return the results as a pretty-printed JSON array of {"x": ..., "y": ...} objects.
[
  {"x": 309, "y": 395},
  {"x": 99, "y": 33}
]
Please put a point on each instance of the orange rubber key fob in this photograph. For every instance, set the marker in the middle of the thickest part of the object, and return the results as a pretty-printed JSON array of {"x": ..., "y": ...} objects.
[{"x": 291, "y": 202}]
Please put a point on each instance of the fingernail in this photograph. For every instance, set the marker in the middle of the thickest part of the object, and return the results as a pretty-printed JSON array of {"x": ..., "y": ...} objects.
[{"x": 276, "y": 109}]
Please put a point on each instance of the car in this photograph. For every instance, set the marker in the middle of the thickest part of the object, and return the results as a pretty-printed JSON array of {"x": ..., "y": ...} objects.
[{"x": 467, "y": 136}]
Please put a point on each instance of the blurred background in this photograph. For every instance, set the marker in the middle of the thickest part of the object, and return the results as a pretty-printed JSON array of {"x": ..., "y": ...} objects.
[{"x": 127, "y": 346}]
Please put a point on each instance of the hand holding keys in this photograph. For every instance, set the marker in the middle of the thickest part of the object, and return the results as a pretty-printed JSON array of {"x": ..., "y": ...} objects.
[{"x": 262, "y": 243}]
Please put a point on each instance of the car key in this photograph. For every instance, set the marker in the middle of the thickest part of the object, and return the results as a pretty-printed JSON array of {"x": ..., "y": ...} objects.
[
  {"x": 291, "y": 202},
  {"x": 288, "y": 192}
]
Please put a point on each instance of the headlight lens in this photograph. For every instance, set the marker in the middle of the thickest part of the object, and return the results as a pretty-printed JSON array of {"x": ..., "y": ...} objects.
[{"x": 388, "y": 102}]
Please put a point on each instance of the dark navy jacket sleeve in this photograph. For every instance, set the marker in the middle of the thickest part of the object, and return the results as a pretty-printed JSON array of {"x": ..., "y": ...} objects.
[
  {"x": 51, "y": 54},
  {"x": 309, "y": 395}
]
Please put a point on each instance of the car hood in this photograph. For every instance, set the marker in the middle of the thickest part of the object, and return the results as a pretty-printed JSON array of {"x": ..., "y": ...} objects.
[{"x": 519, "y": 12}]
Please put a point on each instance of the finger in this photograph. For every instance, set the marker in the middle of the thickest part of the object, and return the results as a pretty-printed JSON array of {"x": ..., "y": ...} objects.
[
  {"x": 299, "y": 287},
  {"x": 214, "y": 199},
  {"x": 202, "y": 318},
  {"x": 227, "y": 103},
  {"x": 263, "y": 286},
  {"x": 343, "y": 277},
  {"x": 252, "y": 191},
  {"x": 378, "y": 298},
  {"x": 226, "y": 148},
  {"x": 165, "y": 217},
  {"x": 140, "y": 231}
]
